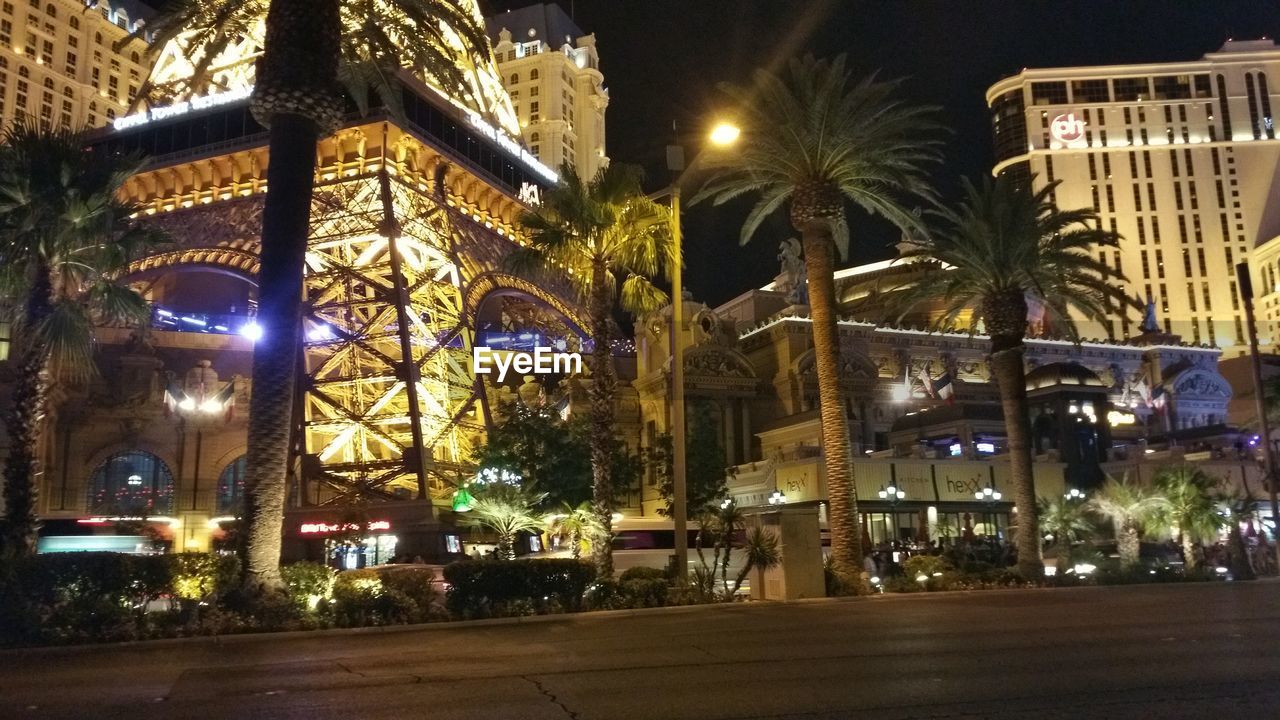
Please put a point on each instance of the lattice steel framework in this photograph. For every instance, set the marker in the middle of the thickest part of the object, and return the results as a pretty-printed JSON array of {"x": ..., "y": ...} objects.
[{"x": 388, "y": 343}]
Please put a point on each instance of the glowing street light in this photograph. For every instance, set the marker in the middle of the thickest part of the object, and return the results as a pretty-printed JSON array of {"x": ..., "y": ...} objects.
[
  {"x": 251, "y": 330},
  {"x": 724, "y": 134},
  {"x": 777, "y": 498},
  {"x": 1074, "y": 494}
]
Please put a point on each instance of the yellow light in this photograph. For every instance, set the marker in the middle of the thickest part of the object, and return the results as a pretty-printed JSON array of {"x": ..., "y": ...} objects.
[{"x": 724, "y": 134}]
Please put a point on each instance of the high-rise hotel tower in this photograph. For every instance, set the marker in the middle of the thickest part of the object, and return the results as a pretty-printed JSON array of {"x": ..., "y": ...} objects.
[{"x": 1178, "y": 158}]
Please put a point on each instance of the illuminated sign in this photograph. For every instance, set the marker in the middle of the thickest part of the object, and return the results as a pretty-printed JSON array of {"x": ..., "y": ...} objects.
[
  {"x": 1115, "y": 417},
  {"x": 1066, "y": 129},
  {"x": 506, "y": 142},
  {"x": 986, "y": 447},
  {"x": 320, "y": 528},
  {"x": 530, "y": 194},
  {"x": 169, "y": 111}
]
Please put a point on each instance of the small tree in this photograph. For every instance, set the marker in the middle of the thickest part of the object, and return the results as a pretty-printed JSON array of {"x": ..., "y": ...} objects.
[
  {"x": 577, "y": 525},
  {"x": 762, "y": 553},
  {"x": 706, "y": 485},
  {"x": 1130, "y": 508},
  {"x": 1067, "y": 521},
  {"x": 507, "y": 510},
  {"x": 1189, "y": 497}
]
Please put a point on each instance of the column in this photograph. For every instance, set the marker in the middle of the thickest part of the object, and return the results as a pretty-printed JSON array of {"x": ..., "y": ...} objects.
[
  {"x": 726, "y": 417},
  {"x": 745, "y": 404}
]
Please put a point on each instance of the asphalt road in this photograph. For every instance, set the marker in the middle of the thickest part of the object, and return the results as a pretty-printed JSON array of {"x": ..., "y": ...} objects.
[{"x": 1189, "y": 651}]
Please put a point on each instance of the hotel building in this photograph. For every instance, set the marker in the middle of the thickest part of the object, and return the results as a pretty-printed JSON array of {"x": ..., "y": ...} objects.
[
  {"x": 551, "y": 69},
  {"x": 58, "y": 60},
  {"x": 1178, "y": 158}
]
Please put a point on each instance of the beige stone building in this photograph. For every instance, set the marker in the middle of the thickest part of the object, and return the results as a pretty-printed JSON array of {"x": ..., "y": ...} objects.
[
  {"x": 551, "y": 69},
  {"x": 1178, "y": 158},
  {"x": 58, "y": 60}
]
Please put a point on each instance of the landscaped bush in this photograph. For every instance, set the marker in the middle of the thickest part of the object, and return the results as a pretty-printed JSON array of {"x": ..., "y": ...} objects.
[
  {"x": 79, "y": 597},
  {"x": 487, "y": 588},
  {"x": 642, "y": 587},
  {"x": 309, "y": 584}
]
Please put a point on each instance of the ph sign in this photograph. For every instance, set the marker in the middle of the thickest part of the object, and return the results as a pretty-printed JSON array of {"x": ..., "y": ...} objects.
[{"x": 1066, "y": 130}]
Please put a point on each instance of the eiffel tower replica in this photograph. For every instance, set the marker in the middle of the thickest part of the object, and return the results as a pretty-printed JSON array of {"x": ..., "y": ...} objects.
[{"x": 412, "y": 216}]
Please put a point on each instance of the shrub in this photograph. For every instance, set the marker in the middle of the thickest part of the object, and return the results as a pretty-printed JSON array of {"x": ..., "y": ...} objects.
[
  {"x": 309, "y": 584},
  {"x": 642, "y": 573},
  {"x": 417, "y": 583},
  {"x": 202, "y": 576},
  {"x": 484, "y": 588}
]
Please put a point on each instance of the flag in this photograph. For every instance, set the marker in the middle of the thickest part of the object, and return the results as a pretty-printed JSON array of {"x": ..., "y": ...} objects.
[
  {"x": 925, "y": 380},
  {"x": 943, "y": 389},
  {"x": 1158, "y": 398},
  {"x": 1144, "y": 391}
]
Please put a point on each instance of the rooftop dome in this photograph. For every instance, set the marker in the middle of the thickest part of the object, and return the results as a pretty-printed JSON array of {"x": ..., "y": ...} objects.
[{"x": 1062, "y": 373}]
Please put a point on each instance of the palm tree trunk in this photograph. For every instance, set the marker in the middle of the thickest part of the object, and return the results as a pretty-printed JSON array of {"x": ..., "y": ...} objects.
[
  {"x": 24, "y": 421},
  {"x": 1129, "y": 546},
  {"x": 1006, "y": 318},
  {"x": 602, "y": 386},
  {"x": 296, "y": 96},
  {"x": 1188, "y": 552},
  {"x": 842, "y": 497}
]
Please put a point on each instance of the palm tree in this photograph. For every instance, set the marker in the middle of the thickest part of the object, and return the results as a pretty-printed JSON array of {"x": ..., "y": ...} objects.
[
  {"x": 310, "y": 46},
  {"x": 62, "y": 232},
  {"x": 1189, "y": 494},
  {"x": 608, "y": 239},
  {"x": 817, "y": 139},
  {"x": 1131, "y": 508},
  {"x": 1007, "y": 244},
  {"x": 576, "y": 525},
  {"x": 763, "y": 553},
  {"x": 1066, "y": 520},
  {"x": 507, "y": 511}
]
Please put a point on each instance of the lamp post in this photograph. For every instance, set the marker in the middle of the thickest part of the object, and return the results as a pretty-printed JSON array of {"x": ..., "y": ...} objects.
[
  {"x": 777, "y": 498},
  {"x": 199, "y": 411},
  {"x": 894, "y": 495},
  {"x": 722, "y": 135},
  {"x": 989, "y": 496},
  {"x": 1074, "y": 494}
]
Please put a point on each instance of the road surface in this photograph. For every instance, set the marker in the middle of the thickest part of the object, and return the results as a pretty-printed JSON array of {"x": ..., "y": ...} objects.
[{"x": 1173, "y": 651}]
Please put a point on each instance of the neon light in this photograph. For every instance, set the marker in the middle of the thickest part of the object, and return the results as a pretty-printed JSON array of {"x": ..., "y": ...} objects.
[
  {"x": 327, "y": 528},
  {"x": 165, "y": 112},
  {"x": 506, "y": 142}
]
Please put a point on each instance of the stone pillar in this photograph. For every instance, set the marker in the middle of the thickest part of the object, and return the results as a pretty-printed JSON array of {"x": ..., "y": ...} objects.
[
  {"x": 746, "y": 429},
  {"x": 726, "y": 421}
]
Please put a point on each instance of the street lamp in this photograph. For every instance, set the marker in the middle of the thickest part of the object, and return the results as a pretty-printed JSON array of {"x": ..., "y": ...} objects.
[
  {"x": 990, "y": 496},
  {"x": 777, "y": 498},
  {"x": 894, "y": 495},
  {"x": 199, "y": 411},
  {"x": 1074, "y": 494},
  {"x": 723, "y": 135}
]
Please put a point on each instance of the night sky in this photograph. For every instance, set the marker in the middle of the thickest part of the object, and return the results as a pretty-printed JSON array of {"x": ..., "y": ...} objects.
[{"x": 662, "y": 60}]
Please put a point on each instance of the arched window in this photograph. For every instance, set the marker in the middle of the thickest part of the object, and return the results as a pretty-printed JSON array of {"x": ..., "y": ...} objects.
[
  {"x": 97, "y": 37},
  {"x": 231, "y": 488},
  {"x": 533, "y": 74},
  {"x": 535, "y": 137},
  {"x": 75, "y": 23},
  {"x": 50, "y": 10},
  {"x": 515, "y": 78},
  {"x": 131, "y": 484},
  {"x": 135, "y": 58}
]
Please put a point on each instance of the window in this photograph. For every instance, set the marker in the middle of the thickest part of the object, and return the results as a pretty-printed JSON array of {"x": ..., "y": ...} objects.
[
  {"x": 515, "y": 78},
  {"x": 1131, "y": 89},
  {"x": 1171, "y": 87},
  {"x": 131, "y": 484},
  {"x": 231, "y": 488},
  {"x": 535, "y": 137},
  {"x": 533, "y": 74},
  {"x": 1083, "y": 91},
  {"x": 533, "y": 91},
  {"x": 1048, "y": 93},
  {"x": 1252, "y": 91},
  {"x": 1226, "y": 108}
]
